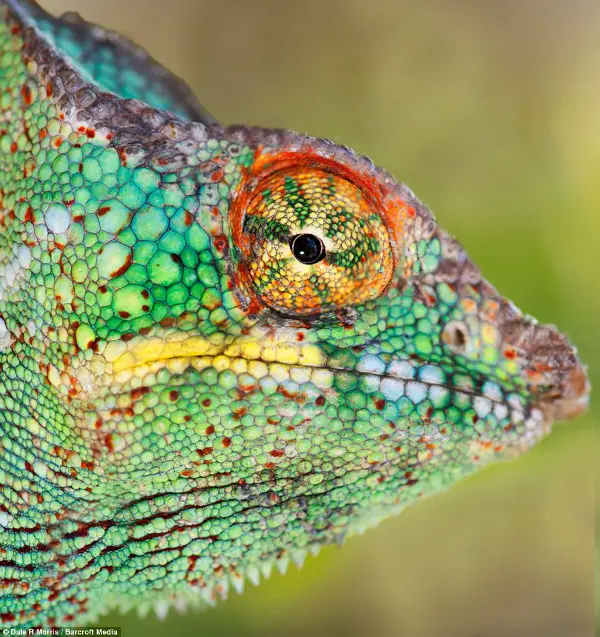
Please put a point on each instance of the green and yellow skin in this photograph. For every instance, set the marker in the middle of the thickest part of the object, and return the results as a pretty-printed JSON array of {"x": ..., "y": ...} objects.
[{"x": 221, "y": 348}]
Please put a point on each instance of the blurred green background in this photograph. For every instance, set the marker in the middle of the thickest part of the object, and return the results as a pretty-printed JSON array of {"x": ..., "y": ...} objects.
[{"x": 489, "y": 111}]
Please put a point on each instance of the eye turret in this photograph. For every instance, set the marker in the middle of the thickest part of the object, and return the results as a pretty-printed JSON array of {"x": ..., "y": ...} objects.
[{"x": 312, "y": 240}]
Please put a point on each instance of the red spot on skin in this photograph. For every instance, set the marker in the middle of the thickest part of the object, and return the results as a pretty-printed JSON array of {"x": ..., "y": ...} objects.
[
  {"x": 173, "y": 395},
  {"x": 186, "y": 473},
  {"x": 103, "y": 289},
  {"x": 29, "y": 467},
  {"x": 124, "y": 267},
  {"x": 13, "y": 147},
  {"x": 187, "y": 418},
  {"x": 188, "y": 218},
  {"x": 295, "y": 396},
  {"x": 244, "y": 389},
  {"x": 127, "y": 337},
  {"x": 124, "y": 314},
  {"x": 145, "y": 308},
  {"x": 269, "y": 465},
  {"x": 217, "y": 175},
  {"x": 429, "y": 411},
  {"x": 108, "y": 442},
  {"x": 379, "y": 403},
  {"x": 226, "y": 442},
  {"x": 320, "y": 401},
  {"x": 78, "y": 218},
  {"x": 508, "y": 427},
  {"x": 49, "y": 89},
  {"x": 103, "y": 210},
  {"x": 205, "y": 451},
  {"x": 220, "y": 242},
  {"x": 273, "y": 421},
  {"x": 206, "y": 402},
  {"x": 7, "y": 617},
  {"x": 138, "y": 392},
  {"x": 238, "y": 413},
  {"x": 410, "y": 211},
  {"x": 210, "y": 430},
  {"x": 56, "y": 142},
  {"x": 299, "y": 336},
  {"x": 29, "y": 214},
  {"x": 26, "y": 93},
  {"x": 91, "y": 133},
  {"x": 80, "y": 168},
  {"x": 254, "y": 307},
  {"x": 276, "y": 453}
]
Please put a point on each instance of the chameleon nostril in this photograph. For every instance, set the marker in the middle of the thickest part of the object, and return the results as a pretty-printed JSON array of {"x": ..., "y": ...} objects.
[{"x": 455, "y": 335}]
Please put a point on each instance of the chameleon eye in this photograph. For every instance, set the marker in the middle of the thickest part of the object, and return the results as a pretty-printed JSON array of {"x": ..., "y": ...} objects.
[
  {"x": 307, "y": 248},
  {"x": 312, "y": 240}
]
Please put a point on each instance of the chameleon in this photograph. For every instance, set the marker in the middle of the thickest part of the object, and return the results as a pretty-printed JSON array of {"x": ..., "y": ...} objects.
[{"x": 221, "y": 347}]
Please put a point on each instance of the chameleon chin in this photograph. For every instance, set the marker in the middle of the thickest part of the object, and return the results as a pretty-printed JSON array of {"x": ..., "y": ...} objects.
[{"x": 221, "y": 347}]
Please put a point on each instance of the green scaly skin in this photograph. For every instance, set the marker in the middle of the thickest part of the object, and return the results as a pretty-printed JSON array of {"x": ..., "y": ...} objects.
[{"x": 174, "y": 420}]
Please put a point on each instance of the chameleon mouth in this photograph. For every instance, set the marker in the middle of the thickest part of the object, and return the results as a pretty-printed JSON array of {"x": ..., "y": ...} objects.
[
  {"x": 290, "y": 363},
  {"x": 569, "y": 400},
  {"x": 560, "y": 391},
  {"x": 524, "y": 422}
]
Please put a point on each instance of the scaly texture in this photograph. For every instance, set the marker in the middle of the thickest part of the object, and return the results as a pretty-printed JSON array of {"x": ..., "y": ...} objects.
[{"x": 221, "y": 347}]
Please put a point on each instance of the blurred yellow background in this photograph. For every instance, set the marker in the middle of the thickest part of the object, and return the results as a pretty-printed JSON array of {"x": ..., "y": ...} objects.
[{"x": 489, "y": 110}]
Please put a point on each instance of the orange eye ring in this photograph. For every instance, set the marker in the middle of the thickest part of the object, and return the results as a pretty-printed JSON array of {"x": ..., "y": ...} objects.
[{"x": 319, "y": 202}]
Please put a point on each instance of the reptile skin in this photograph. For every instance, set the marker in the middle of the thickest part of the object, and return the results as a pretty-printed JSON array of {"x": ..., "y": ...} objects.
[{"x": 221, "y": 347}]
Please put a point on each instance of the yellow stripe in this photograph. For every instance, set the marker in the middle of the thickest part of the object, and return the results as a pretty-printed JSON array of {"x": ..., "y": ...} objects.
[{"x": 259, "y": 347}]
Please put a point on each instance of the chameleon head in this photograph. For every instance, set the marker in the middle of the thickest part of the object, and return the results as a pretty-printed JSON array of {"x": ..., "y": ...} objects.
[
  {"x": 312, "y": 327},
  {"x": 221, "y": 347}
]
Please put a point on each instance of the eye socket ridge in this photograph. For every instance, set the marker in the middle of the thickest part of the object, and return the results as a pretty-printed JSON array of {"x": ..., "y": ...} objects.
[{"x": 307, "y": 248}]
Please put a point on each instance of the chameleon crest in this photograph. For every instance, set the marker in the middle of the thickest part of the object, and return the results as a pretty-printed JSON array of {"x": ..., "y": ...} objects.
[{"x": 221, "y": 347}]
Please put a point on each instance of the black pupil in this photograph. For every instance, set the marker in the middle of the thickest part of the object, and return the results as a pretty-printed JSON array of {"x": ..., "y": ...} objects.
[{"x": 307, "y": 248}]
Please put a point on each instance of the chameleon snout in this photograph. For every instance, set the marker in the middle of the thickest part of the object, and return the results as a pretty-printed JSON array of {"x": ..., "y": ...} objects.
[{"x": 556, "y": 377}]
